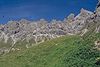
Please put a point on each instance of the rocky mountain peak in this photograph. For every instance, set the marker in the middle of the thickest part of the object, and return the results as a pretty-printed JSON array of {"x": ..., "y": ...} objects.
[
  {"x": 85, "y": 12},
  {"x": 98, "y": 5},
  {"x": 24, "y": 21},
  {"x": 33, "y": 32},
  {"x": 98, "y": 9},
  {"x": 71, "y": 16}
]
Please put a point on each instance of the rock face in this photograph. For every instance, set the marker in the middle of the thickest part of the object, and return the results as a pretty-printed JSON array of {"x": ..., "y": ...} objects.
[
  {"x": 34, "y": 32},
  {"x": 97, "y": 44}
]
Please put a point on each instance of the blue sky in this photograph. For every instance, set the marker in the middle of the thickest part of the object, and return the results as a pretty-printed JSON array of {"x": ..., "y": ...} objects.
[{"x": 37, "y": 9}]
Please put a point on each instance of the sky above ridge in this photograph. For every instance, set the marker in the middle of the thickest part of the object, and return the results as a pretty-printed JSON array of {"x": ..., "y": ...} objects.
[{"x": 37, "y": 9}]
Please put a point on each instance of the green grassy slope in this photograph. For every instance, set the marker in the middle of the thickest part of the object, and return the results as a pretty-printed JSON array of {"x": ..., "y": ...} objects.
[{"x": 68, "y": 51}]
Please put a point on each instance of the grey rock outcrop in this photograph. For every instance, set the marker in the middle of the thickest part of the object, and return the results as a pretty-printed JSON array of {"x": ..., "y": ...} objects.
[{"x": 34, "y": 32}]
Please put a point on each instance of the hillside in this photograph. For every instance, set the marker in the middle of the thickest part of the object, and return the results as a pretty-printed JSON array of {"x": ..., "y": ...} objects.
[
  {"x": 14, "y": 34},
  {"x": 66, "y": 51},
  {"x": 72, "y": 42}
]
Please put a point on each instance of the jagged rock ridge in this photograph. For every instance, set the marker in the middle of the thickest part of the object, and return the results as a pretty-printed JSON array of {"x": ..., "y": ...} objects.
[{"x": 34, "y": 32}]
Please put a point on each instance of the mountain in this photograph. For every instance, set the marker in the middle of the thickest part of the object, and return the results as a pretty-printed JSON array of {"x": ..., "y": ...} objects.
[
  {"x": 66, "y": 51},
  {"x": 33, "y": 32},
  {"x": 73, "y": 42}
]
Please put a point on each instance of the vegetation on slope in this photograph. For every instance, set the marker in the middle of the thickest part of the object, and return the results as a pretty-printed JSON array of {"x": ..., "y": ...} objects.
[{"x": 67, "y": 51}]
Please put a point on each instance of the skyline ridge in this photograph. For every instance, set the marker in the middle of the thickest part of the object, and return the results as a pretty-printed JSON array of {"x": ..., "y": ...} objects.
[{"x": 37, "y": 9}]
